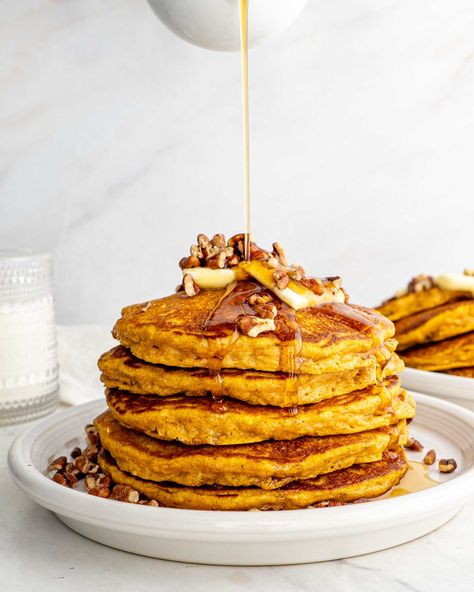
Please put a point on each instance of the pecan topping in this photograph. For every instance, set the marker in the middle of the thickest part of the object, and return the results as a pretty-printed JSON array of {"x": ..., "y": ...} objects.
[
  {"x": 252, "y": 326},
  {"x": 420, "y": 283},
  {"x": 281, "y": 279},
  {"x": 125, "y": 493},
  {"x": 413, "y": 444},
  {"x": 261, "y": 298},
  {"x": 430, "y": 457},
  {"x": 57, "y": 464},
  {"x": 447, "y": 465},
  {"x": 266, "y": 311},
  {"x": 189, "y": 262},
  {"x": 280, "y": 253},
  {"x": 190, "y": 286}
]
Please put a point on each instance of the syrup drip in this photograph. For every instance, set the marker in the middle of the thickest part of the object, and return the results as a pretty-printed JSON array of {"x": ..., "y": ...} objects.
[
  {"x": 352, "y": 317},
  {"x": 244, "y": 6},
  {"x": 221, "y": 333},
  {"x": 416, "y": 478}
]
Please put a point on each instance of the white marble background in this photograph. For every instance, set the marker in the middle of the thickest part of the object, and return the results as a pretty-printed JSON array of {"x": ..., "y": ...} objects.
[{"x": 119, "y": 143}]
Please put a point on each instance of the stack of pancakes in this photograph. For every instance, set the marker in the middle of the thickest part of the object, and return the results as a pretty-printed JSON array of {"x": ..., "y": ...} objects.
[
  {"x": 201, "y": 416},
  {"x": 434, "y": 327}
]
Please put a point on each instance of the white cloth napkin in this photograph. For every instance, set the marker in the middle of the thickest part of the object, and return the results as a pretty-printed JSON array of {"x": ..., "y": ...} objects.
[{"x": 79, "y": 348}]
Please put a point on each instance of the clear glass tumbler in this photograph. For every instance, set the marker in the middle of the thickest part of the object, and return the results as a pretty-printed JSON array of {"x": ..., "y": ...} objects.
[{"x": 29, "y": 373}]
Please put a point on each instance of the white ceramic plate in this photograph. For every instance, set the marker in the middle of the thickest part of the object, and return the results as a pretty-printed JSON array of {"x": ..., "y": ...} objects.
[
  {"x": 457, "y": 389},
  {"x": 251, "y": 538}
]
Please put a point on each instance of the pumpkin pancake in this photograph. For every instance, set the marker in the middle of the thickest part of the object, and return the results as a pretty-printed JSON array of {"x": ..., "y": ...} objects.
[
  {"x": 466, "y": 372},
  {"x": 188, "y": 332},
  {"x": 122, "y": 370},
  {"x": 457, "y": 352},
  {"x": 403, "y": 306},
  {"x": 201, "y": 420},
  {"x": 436, "y": 324},
  {"x": 362, "y": 481},
  {"x": 266, "y": 464}
]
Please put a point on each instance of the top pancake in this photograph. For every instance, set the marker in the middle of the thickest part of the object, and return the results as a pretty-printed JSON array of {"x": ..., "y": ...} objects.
[{"x": 175, "y": 331}]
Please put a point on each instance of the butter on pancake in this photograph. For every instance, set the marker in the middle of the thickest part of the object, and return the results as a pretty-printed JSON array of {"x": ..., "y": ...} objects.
[
  {"x": 362, "y": 481},
  {"x": 267, "y": 465},
  {"x": 201, "y": 420},
  {"x": 121, "y": 370}
]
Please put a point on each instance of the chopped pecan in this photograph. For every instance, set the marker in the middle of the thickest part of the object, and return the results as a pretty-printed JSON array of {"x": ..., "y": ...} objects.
[
  {"x": 420, "y": 283},
  {"x": 217, "y": 261},
  {"x": 413, "y": 444},
  {"x": 447, "y": 465},
  {"x": 61, "y": 479},
  {"x": 281, "y": 279},
  {"x": 57, "y": 464},
  {"x": 218, "y": 240},
  {"x": 125, "y": 493},
  {"x": 296, "y": 272},
  {"x": 430, "y": 457},
  {"x": 189, "y": 262},
  {"x": 233, "y": 261},
  {"x": 266, "y": 311},
  {"x": 99, "y": 491},
  {"x": 203, "y": 241},
  {"x": 75, "y": 452},
  {"x": 261, "y": 298},
  {"x": 252, "y": 326},
  {"x": 92, "y": 434},
  {"x": 258, "y": 253},
  {"x": 280, "y": 253},
  {"x": 190, "y": 286},
  {"x": 313, "y": 284},
  {"x": 195, "y": 251}
]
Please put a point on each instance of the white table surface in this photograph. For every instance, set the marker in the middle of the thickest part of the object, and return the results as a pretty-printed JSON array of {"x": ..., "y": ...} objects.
[{"x": 37, "y": 552}]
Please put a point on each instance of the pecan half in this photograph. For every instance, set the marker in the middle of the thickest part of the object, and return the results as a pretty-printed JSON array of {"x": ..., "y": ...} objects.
[
  {"x": 447, "y": 465},
  {"x": 430, "y": 457},
  {"x": 281, "y": 279},
  {"x": 125, "y": 493},
  {"x": 252, "y": 326},
  {"x": 190, "y": 286},
  {"x": 413, "y": 444},
  {"x": 280, "y": 253}
]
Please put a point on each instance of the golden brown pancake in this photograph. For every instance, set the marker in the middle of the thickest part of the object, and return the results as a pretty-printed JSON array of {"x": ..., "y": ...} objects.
[
  {"x": 201, "y": 420},
  {"x": 266, "y": 464},
  {"x": 178, "y": 331},
  {"x": 466, "y": 372},
  {"x": 436, "y": 324},
  {"x": 457, "y": 352},
  {"x": 346, "y": 485},
  {"x": 413, "y": 302},
  {"x": 121, "y": 370}
]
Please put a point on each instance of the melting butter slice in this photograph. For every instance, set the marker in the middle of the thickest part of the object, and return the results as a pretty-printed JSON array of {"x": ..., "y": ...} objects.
[
  {"x": 455, "y": 281},
  {"x": 211, "y": 279},
  {"x": 295, "y": 295}
]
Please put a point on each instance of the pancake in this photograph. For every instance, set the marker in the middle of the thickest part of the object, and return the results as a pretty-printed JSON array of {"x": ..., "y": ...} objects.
[
  {"x": 121, "y": 370},
  {"x": 363, "y": 481},
  {"x": 436, "y": 324},
  {"x": 201, "y": 420},
  {"x": 194, "y": 332},
  {"x": 413, "y": 302},
  {"x": 457, "y": 352},
  {"x": 267, "y": 464},
  {"x": 466, "y": 372}
]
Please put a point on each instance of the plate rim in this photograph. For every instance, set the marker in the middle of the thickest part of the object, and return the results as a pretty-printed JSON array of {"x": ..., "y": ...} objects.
[
  {"x": 183, "y": 524},
  {"x": 448, "y": 381}
]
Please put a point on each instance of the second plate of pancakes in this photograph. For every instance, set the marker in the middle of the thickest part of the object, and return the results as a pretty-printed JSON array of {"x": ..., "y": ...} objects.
[{"x": 456, "y": 389}]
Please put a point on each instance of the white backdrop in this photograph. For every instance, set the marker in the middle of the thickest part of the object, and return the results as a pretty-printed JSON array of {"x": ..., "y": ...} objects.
[{"x": 119, "y": 143}]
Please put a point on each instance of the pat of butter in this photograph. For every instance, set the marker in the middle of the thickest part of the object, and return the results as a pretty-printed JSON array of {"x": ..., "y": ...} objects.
[
  {"x": 455, "y": 281},
  {"x": 211, "y": 279},
  {"x": 295, "y": 295}
]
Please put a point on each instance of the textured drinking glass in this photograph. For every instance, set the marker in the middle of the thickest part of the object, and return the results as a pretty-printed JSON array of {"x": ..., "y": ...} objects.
[{"x": 28, "y": 352}]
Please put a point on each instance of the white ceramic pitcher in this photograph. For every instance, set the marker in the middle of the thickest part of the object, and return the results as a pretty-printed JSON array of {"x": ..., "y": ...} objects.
[{"x": 214, "y": 24}]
